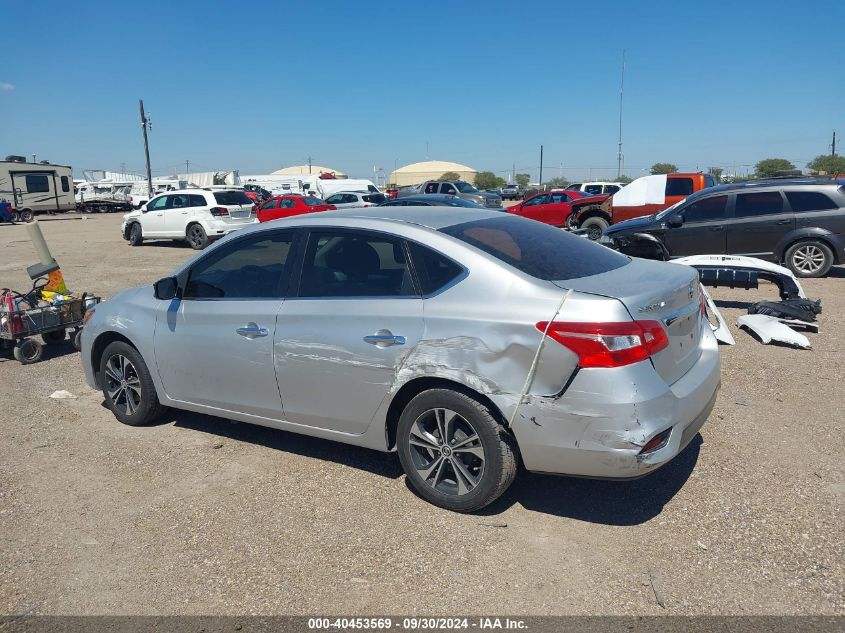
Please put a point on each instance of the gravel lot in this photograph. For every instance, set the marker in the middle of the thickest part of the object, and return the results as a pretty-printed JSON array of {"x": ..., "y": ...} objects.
[{"x": 199, "y": 515}]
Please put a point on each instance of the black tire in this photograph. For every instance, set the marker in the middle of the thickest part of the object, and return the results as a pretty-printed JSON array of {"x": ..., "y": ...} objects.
[
  {"x": 135, "y": 234},
  {"x": 53, "y": 337},
  {"x": 128, "y": 388},
  {"x": 16, "y": 216},
  {"x": 77, "y": 340},
  {"x": 197, "y": 239},
  {"x": 28, "y": 351},
  {"x": 595, "y": 227},
  {"x": 26, "y": 215},
  {"x": 809, "y": 258},
  {"x": 465, "y": 479}
]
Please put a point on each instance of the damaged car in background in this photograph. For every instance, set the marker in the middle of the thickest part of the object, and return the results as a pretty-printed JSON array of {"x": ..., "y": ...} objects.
[{"x": 465, "y": 340}]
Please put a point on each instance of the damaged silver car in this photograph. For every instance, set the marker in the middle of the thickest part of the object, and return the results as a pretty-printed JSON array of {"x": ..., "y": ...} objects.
[{"x": 464, "y": 340}]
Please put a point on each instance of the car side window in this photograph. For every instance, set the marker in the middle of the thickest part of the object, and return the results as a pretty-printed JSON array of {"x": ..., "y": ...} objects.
[
  {"x": 611, "y": 189},
  {"x": 271, "y": 204},
  {"x": 434, "y": 271},
  {"x": 541, "y": 199},
  {"x": 196, "y": 201},
  {"x": 559, "y": 197},
  {"x": 447, "y": 188},
  {"x": 809, "y": 201},
  {"x": 431, "y": 187},
  {"x": 755, "y": 204},
  {"x": 706, "y": 210},
  {"x": 179, "y": 201},
  {"x": 158, "y": 204},
  {"x": 287, "y": 203},
  {"x": 355, "y": 264},
  {"x": 593, "y": 189},
  {"x": 679, "y": 186},
  {"x": 335, "y": 199},
  {"x": 249, "y": 268}
]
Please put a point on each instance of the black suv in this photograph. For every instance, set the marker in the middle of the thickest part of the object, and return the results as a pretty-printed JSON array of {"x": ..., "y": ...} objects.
[{"x": 798, "y": 221}]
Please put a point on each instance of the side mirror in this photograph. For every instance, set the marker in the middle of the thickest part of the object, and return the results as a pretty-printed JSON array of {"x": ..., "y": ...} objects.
[
  {"x": 675, "y": 221},
  {"x": 166, "y": 289}
]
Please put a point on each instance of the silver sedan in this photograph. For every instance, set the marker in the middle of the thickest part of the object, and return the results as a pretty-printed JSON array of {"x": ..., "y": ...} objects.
[{"x": 464, "y": 340}]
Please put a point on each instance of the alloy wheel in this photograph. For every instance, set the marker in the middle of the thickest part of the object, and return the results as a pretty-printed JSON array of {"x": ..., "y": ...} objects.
[
  {"x": 195, "y": 236},
  {"x": 808, "y": 259},
  {"x": 123, "y": 384},
  {"x": 446, "y": 452}
]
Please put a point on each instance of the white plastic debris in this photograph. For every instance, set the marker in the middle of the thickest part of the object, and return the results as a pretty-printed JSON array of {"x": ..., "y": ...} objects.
[
  {"x": 720, "y": 330},
  {"x": 62, "y": 395},
  {"x": 771, "y": 329}
]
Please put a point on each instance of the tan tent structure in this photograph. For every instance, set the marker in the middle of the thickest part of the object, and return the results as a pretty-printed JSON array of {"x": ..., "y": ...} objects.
[{"x": 429, "y": 170}]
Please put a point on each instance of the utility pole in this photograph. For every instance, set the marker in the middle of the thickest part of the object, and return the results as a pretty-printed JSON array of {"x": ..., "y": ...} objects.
[
  {"x": 832, "y": 145},
  {"x": 621, "y": 90},
  {"x": 513, "y": 174},
  {"x": 188, "y": 167},
  {"x": 309, "y": 164},
  {"x": 147, "y": 124},
  {"x": 541, "y": 166}
]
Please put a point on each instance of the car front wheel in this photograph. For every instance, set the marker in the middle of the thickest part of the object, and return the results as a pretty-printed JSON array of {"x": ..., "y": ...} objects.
[
  {"x": 454, "y": 452},
  {"x": 809, "y": 258},
  {"x": 128, "y": 388},
  {"x": 595, "y": 227}
]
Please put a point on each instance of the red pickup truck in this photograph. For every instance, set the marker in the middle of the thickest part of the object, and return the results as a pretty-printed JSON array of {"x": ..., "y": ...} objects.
[{"x": 643, "y": 196}]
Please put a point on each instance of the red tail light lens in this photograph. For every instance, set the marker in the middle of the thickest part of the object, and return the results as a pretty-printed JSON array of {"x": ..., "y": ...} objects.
[
  {"x": 219, "y": 211},
  {"x": 657, "y": 442},
  {"x": 609, "y": 344}
]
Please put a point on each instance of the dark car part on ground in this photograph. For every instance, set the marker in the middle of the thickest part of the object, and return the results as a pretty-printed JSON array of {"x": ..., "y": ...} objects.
[{"x": 800, "y": 309}]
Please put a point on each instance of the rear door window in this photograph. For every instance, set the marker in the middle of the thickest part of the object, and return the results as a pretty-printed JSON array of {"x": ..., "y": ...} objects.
[
  {"x": 232, "y": 198},
  {"x": 706, "y": 210},
  {"x": 537, "y": 249},
  {"x": 750, "y": 205},
  {"x": 447, "y": 188},
  {"x": 679, "y": 186},
  {"x": 355, "y": 264},
  {"x": 611, "y": 189},
  {"x": 809, "y": 201},
  {"x": 593, "y": 189}
]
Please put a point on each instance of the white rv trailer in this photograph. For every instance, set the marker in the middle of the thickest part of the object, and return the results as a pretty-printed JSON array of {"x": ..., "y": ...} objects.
[
  {"x": 276, "y": 184},
  {"x": 36, "y": 187},
  {"x": 324, "y": 187}
]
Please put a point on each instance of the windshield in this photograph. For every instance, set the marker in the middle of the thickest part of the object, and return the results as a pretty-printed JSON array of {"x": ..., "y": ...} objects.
[{"x": 465, "y": 187}]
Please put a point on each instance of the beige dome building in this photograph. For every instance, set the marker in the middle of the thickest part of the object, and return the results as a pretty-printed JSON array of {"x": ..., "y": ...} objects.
[
  {"x": 305, "y": 170},
  {"x": 429, "y": 170}
]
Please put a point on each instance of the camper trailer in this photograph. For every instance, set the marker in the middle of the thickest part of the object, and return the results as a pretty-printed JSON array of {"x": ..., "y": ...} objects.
[{"x": 36, "y": 187}]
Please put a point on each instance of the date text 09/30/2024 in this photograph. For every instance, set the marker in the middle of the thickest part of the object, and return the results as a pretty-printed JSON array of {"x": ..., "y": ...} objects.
[{"x": 416, "y": 623}]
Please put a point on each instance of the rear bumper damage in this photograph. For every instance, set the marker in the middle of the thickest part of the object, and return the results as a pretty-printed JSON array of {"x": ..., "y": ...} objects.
[{"x": 599, "y": 426}]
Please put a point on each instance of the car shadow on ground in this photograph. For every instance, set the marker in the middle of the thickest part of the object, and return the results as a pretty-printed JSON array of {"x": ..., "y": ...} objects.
[
  {"x": 56, "y": 350},
  {"x": 595, "y": 501},
  {"x": 600, "y": 501},
  {"x": 376, "y": 462}
]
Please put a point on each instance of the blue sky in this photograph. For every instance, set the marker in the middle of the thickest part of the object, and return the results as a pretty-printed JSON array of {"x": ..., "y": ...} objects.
[{"x": 259, "y": 85}]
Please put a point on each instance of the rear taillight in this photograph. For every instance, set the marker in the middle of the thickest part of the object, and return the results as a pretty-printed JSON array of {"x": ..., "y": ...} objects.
[
  {"x": 657, "y": 442},
  {"x": 219, "y": 211},
  {"x": 609, "y": 344}
]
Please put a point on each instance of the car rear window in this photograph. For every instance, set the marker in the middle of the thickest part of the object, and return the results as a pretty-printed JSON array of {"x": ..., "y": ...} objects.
[
  {"x": 809, "y": 201},
  {"x": 375, "y": 198},
  {"x": 231, "y": 197},
  {"x": 678, "y": 186},
  {"x": 537, "y": 249}
]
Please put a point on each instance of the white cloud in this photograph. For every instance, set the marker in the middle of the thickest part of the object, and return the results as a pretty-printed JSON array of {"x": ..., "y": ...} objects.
[{"x": 4, "y": 85}]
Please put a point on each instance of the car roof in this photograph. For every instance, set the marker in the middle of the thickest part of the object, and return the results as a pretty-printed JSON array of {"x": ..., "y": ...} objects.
[{"x": 430, "y": 217}]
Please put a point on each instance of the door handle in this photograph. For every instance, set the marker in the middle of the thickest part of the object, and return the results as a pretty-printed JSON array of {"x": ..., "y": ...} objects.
[
  {"x": 252, "y": 330},
  {"x": 784, "y": 221},
  {"x": 717, "y": 228},
  {"x": 384, "y": 338}
]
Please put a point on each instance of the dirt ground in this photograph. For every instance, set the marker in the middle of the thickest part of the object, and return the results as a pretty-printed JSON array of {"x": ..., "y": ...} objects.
[{"x": 199, "y": 515}]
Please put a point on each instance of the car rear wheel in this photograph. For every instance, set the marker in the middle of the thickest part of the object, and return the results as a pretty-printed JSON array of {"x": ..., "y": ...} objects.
[
  {"x": 28, "y": 351},
  {"x": 128, "y": 388},
  {"x": 595, "y": 227},
  {"x": 197, "y": 238},
  {"x": 454, "y": 452},
  {"x": 809, "y": 258},
  {"x": 136, "y": 235}
]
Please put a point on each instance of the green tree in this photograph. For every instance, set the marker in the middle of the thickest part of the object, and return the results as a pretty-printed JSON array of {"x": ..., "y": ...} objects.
[
  {"x": 523, "y": 179},
  {"x": 773, "y": 167},
  {"x": 450, "y": 175},
  {"x": 663, "y": 168},
  {"x": 556, "y": 182},
  {"x": 489, "y": 180},
  {"x": 624, "y": 179},
  {"x": 716, "y": 172},
  {"x": 828, "y": 164}
]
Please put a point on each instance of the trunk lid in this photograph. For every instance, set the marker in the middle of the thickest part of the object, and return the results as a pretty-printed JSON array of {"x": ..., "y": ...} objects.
[{"x": 656, "y": 291}]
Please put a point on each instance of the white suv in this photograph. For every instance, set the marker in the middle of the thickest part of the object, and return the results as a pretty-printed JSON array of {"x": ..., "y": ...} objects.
[
  {"x": 194, "y": 215},
  {"x": 595, "y": 188},
  {"x": 352, "y": 199}
]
